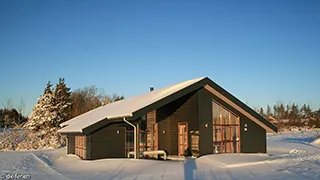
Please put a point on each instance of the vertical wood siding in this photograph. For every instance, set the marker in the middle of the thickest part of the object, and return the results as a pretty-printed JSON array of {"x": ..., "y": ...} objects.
[
  {"x": 254, "y": 139},
  {"x": 80, "y": 146},
  {"x": 151, "y": 131},
  {"x": 184, "y": 109},
  {"x": 108, "y": 142},
  {"x": 205, "y": 122},
  {"x": 70, "y": 144}
]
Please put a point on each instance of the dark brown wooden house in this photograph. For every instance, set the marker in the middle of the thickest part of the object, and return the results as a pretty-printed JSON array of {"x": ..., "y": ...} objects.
[{"x": 197, "y": 115}]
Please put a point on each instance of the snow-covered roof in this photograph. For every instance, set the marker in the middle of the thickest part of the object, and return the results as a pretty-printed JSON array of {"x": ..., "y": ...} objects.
[
  {"x": 130, "y": 106},
  {"x": 122, "y": 108}
]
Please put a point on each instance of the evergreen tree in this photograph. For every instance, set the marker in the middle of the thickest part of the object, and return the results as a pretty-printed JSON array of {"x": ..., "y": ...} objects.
[
  {"x": 275, "y": 111},
  {"x": 268, "y": 113},
  {"x": 62, "y": 97},
  {"x": 10, "y": 118},
  {"x": 261, "y": 112},
  {"x": 287, "y": 111},
  {"x": 44, "y": 111},
  {"x": 303, "y": 111},
  {"x": 306, "y": 111},
  {"x": 294, "y": 114},
  {"x": 281, "y": 111}
]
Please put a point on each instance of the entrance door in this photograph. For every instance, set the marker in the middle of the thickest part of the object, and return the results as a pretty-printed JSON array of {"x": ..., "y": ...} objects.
[{"x": 182, "y": 137}]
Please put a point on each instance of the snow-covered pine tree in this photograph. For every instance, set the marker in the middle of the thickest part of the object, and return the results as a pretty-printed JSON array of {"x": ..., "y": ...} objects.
[
  {"x": 62, "y": 96},
  {"x": 42, "y": 124},
  {"x": 268, "y": 112},
  {"x": 44, "y": 112}
]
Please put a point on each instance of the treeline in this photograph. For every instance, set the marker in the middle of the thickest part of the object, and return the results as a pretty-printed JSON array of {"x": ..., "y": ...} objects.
[
  {"x": 10, "y": 117},
  {"x": 291, "y": 115},
  {"x": 88, "y": 98}
]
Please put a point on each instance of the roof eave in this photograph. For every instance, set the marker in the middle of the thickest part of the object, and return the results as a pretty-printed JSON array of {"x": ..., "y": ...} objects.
[
  {"x": 120, "y": 116},
  {"x": 63, "y": 132},
  {"x": 101, "y": 123}
]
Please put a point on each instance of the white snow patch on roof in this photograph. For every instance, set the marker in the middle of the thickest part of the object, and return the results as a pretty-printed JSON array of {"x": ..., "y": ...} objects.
[{"x": 122, "y": 108}]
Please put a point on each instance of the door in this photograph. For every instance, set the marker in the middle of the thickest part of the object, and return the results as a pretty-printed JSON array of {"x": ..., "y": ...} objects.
[{"x": 182, "y": 138}]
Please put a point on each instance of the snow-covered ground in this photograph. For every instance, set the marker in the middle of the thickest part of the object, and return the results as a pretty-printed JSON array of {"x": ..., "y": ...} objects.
[{"x": 290, "y": 156}]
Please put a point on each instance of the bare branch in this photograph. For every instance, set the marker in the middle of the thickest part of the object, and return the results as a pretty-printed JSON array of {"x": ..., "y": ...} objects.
[
  {"x": 7, "y": 104},
  {"x": 21, "y": 107}
]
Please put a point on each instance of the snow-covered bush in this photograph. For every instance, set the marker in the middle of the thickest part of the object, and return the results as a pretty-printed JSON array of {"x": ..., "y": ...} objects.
[
  {"x": 42, "y": 140},
  {"x": 10, "y": 139},
  {"x": 22, "y": 139}
]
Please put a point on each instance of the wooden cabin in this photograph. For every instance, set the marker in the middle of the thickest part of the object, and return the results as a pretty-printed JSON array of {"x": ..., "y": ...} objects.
[{"x": 196, "y": 116}]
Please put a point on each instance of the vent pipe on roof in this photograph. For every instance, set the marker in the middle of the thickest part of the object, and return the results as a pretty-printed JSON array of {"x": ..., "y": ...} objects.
[{"x": 151, "y": 88}]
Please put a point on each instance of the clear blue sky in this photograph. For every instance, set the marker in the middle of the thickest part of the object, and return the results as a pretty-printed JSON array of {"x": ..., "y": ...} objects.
[{"x": 260, "y": 51}]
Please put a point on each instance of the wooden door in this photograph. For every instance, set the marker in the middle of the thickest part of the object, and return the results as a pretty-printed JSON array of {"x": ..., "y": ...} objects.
[
  {"x": 80, "y": 146},
  {"x": 182, "y": 137}
]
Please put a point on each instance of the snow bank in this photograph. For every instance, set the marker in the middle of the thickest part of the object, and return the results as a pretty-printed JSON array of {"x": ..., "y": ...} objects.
[
  {"x": 316, "y": 141},
  {"x": 296, "y": 151},
  {"x": 296, "y": 129}
]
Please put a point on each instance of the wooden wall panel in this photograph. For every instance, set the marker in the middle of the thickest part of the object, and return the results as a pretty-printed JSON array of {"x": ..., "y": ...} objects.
[
  {"x": 108, "y": 142},
  {"x": 80, "y": 146},
  {"x": 70, "y": 144},
  {"x": 253, "y": 140},
  {"x": 151, "y": 118},
  {"x": 205, "y": 122},
  {"x": 151, "y": 131},
  {"x": 184, "y": 109}
]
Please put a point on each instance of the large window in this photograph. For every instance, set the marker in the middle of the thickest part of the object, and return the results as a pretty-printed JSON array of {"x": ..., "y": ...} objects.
[
  {"x": 146, "y": 137},
  {"x": 226, "y": 130},
  {"x": 129, "y": 139}
]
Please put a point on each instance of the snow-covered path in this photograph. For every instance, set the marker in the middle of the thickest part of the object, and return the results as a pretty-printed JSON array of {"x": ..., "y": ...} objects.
[
  {"x": 27, "y": 163},
  {"x": 290, "y": 156}
]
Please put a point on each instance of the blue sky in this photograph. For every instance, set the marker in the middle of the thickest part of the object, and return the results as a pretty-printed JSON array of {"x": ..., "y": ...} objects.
[{"x": 260, "y": 51}]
